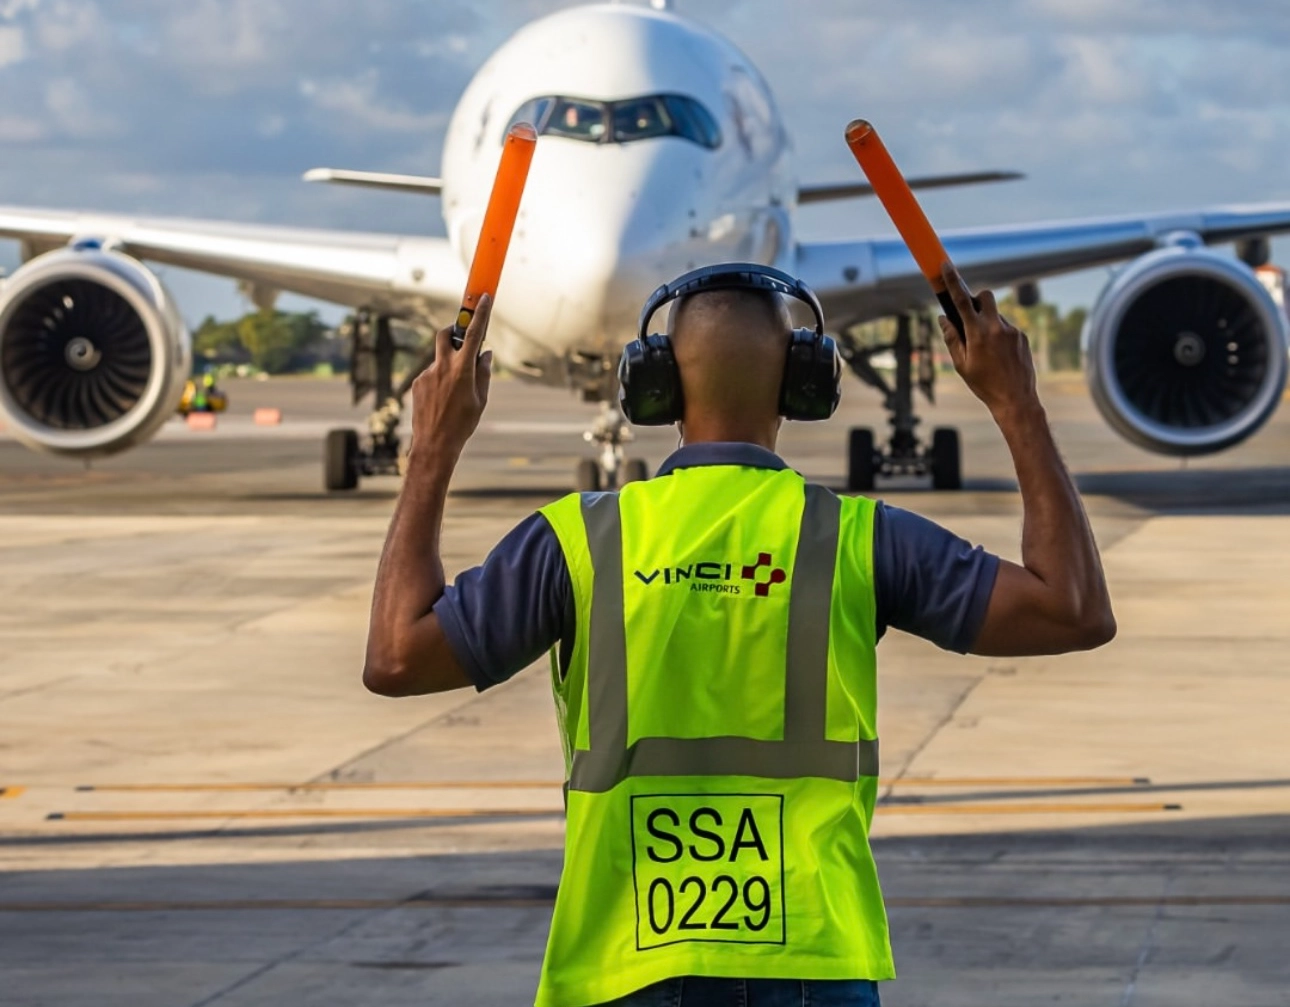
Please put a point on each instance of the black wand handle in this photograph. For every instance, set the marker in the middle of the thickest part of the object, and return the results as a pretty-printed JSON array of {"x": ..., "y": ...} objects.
[
  {"x": 459, "y": 327},
  {"x": 952, "y": 312}
]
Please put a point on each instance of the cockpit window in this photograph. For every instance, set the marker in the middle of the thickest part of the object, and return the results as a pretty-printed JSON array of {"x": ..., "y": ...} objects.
[
  {"x": 533, "y": 112},
  {"x": 692, "y": 121},
  {"x": 578, "y": 120},
  {"x": 641, "y": 119},
  {"x": 621, "y": 121}
]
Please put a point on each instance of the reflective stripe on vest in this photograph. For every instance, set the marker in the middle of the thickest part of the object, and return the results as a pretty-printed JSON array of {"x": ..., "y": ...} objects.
[{"x": 805, "y": 750}]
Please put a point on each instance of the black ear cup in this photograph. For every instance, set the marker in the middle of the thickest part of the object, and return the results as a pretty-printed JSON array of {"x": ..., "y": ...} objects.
[
  {"x": 812, "y": 385},
  {"x": 649, "y": 383}
]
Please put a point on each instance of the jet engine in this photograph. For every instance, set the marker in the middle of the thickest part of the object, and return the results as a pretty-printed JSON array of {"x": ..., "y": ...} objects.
[
  {"x": 93, "y": 353},
  {"x": 1185, "y": 352}
]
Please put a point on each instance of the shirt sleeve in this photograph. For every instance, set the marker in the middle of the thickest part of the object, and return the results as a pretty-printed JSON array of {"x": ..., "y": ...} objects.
[
  {"x": 928, "y": 581},
  {"x": 501, "y": 616}
]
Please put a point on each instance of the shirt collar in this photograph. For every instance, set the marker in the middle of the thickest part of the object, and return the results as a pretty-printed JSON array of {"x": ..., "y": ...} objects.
[{"x": 751, "y": 456}]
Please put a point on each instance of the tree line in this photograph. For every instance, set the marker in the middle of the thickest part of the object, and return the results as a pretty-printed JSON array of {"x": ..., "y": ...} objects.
[
  {"x": 1054, "y": 334},
  {"x": 283, "y": 342},
  {"x": 276, "y": 342}
]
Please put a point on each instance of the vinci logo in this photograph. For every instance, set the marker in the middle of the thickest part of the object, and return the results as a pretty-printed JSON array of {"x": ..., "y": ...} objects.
[
  {"x": 764, "y": 568},
  {"x": 719, "y": 578}
]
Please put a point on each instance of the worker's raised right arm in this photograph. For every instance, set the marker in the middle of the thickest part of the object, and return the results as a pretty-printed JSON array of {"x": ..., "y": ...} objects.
[{"x": 1056, "y": 600}]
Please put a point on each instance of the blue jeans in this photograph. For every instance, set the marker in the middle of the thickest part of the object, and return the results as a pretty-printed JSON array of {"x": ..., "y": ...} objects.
[{"x": 698, "y": 992}]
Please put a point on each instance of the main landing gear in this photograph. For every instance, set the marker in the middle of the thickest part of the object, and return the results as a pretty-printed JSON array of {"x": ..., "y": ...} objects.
[
  {"x": 904, "y": 453},
  {"x": 345, "y": 458},
  {"x": 612, "y": 469}
]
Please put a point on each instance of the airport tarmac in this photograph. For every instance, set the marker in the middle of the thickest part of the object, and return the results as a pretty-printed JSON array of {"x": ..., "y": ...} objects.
[{"x": 200, "y": 805}]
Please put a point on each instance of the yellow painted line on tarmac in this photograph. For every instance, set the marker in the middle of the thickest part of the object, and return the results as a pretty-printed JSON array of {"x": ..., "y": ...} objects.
[
  {"x": 542, "y": 901},
  {"x": 1026, "y": 808},
  {"x": 904, "y": 781},
  {"x": 352, "y": 813},
  {"x": 1017, "y": 781},
  {"x": 216, "y": 787},
  {"x": 11, "y": 791}
]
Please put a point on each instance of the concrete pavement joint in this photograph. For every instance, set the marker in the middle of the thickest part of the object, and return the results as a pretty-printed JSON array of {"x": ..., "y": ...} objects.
[
  {"x": 268, "y": 967},
  {"x": 936, "y": 729},
  {"x": 37, "y": 687},
  {"x": 331, "y": 774},
  {"x": 1148, "y": 946}
]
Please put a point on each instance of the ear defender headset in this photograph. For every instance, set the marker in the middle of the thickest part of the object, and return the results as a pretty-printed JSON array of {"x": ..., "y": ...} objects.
[{"x": 650, "y": 382}]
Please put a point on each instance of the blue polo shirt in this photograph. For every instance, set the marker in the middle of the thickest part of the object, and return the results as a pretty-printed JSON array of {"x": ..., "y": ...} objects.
[{"x": 503, "y": 615}]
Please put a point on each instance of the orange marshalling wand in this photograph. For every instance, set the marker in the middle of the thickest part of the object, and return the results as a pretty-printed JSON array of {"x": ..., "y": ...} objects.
[
  {"x": 898, "y": 200},
  {"x": 499, "y": 222}
]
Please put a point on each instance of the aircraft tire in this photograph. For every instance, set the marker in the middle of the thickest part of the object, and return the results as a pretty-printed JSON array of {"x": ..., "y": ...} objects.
[
  {"x": 635, "y": 471},
  {"x": 340, "y": 460},
  {"x": 587, "y": 476},
  {"x": 947, "y": 459},
  {"x": 861, "y": 460}
]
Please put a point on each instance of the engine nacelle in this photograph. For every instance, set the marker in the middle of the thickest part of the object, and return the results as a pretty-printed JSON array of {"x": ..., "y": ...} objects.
[
  {"x": 1185, "y": 352},
  {"x": 93, "y": 353}
]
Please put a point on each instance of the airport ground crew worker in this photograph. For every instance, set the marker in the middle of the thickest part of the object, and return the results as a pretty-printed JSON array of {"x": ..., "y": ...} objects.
[{"x": 713, "y": 632}]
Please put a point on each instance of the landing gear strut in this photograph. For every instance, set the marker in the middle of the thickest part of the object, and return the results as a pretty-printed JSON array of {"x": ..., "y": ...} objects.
[
  {"x": 612, "y": 469},
  {"x": 904, "y": 453},
  {"x": 345, "y": 459}
]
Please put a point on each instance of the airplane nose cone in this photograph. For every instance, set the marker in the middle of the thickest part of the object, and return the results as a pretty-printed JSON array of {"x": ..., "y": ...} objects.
[{"x": 604, "y": 217}]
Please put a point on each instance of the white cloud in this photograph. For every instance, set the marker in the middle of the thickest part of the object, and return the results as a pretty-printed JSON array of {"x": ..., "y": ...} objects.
[
  {"x": 453, "y": 42},
  {"x": 66, "y": 24},
  {"x": 136, "y": 183},
  {"x": 12, "y": 45},
  {"x": 1102, "y": 71},
  {"x": 73, "y": 113},
  {"x": 213, "y": 107},
  {"x": 228, "y": 34},
  {"x": 10, "y": 9},
  {"x": 20, "y": 129},
  {"x": 355, "y": 101},
  {"x": 271, "y": 125}
]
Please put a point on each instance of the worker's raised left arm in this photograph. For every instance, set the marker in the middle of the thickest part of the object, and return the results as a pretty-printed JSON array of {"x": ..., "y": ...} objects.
[
  {"x": 407, "y": 651},
  {"x": 1056, "y": 599}
]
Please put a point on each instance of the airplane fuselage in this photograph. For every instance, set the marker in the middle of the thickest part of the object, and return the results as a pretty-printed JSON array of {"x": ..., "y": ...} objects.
[{"x": 627, "y": 189}]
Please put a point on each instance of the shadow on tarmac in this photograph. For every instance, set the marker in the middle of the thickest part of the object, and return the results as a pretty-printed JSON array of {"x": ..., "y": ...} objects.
[
  {"x": 1196, "y": 491},
  {"x": 1002, "y": 917}
]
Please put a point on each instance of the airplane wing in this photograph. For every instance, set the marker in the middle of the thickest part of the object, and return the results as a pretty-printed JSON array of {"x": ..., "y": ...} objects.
[
  {"x": 860, "y": 280},
  {"x": 423, "y": 184},
  {"x": 844, "y": 190},
  {"x": 386, "y": 272}
]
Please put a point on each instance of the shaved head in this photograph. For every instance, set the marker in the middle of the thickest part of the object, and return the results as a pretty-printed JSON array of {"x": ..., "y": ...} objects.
[{"x": 730, "y": 348}]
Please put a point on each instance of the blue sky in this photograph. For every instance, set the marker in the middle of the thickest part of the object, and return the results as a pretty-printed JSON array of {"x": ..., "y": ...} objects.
[{"x": 213, "y": 108}]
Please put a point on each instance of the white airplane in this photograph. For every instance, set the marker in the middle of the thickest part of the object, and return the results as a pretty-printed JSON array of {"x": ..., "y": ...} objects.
[{"x": 662, "y": 149}]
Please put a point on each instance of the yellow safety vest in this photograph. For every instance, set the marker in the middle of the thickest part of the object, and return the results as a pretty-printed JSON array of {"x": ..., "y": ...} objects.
[{"x": 718, "y": 712}]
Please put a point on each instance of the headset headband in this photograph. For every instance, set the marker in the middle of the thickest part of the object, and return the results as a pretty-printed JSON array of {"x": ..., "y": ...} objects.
[{"x": 731, "y": 276}]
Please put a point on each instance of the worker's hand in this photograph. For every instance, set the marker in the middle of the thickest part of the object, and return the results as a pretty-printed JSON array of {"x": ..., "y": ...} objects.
[
  {"x": 448, "y": 398},
  {"x": 992, "y": 355}
]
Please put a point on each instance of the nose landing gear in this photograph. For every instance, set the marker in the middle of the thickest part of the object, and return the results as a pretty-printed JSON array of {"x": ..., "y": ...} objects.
[
  {"x": 612, "y": 469},
  {"x": 904, "y": 453}
]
